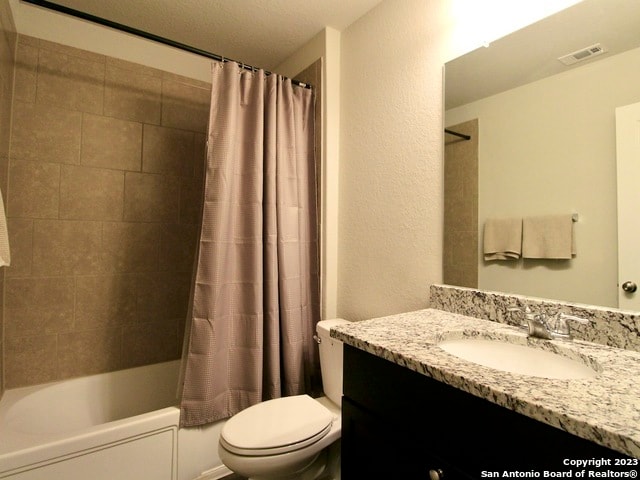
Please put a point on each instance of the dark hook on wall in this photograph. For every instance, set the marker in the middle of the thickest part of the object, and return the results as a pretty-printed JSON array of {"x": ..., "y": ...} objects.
[{"x": 461, "y": 135}]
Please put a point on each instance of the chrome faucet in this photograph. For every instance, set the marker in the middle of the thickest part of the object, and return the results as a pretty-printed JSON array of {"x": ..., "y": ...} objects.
[{"x": 541, "y": 325}]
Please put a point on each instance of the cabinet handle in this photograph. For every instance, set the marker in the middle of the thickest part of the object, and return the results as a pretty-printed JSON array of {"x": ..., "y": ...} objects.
[{"x": 436, "y": 474}]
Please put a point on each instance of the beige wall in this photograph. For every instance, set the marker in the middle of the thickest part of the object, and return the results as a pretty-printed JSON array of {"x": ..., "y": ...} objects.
[
  {"x": 390, "y": 218},
  {"x": 7, "y": 66},
  {"x": 104, "y": 191},
  {"x": 549, "y": 147}
]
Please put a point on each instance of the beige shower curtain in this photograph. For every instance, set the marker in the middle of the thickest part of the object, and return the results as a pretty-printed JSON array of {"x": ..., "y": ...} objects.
[{"x": 255, "y": 296}]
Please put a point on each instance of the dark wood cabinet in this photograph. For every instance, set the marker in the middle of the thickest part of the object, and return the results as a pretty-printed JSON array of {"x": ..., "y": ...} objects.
[{"x": 399, "y": 424}]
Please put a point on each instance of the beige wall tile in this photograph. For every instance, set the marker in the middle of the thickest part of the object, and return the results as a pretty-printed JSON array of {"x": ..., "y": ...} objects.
[
  {"x": 5, "y": 122},
  {"x": 45, "y": 133},
  {"x": 4, "y": 175},
  {"x": 132, "y": 95},
  {"x": 174, "y": 77},
  {"x": 191, "y": 200},
  {"x": 7, "y": 68},
  {"x": 105, "y": 301},
  {"x": 34, "y": 190},
  {"x": 70, "y": 81},
  {"x": 163, "y": 296},
  {"x": 37, "y": 306},
  {"x": 185, "y": 106},
  {"x": 28, "y": 40},
  {"x": 460, "y": 249},
  {"x": 199, "y": 154},
  {"x": 20, "y": 241},
  {"x": 88, "y": 193},
  {"x": 84, "y": 285},
  {"x": 131, "y": 247},
  {"x": 70, "y": 51},
  {"x": 168, "y": 151},
  {"x": 89, "y": 352},
  {"x": 133, "y": 67},
  {"x": 30, "y": 360},
  {"x": 151, "y": 198},
  {"x": 111, "y": 143},
  {"x": 1, "y": 343},
  {"x": 178, "y": 247},
  {"x": 26, "y": 73},
  {"x": 67, "y": 247},
  {"x": 150, "y": 343}
]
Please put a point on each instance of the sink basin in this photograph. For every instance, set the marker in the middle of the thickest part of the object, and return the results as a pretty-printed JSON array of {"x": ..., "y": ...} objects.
[{"x": 521, "y": 359}]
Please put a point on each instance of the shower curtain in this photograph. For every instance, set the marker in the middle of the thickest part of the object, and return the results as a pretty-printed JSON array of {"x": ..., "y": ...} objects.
[{"x": 255, "y": 295}]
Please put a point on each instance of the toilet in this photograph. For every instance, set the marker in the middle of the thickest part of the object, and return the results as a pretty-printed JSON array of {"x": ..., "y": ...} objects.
[{"x": 293, "y": 437}]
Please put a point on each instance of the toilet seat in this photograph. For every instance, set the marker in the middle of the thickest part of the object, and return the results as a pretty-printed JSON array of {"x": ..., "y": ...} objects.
[{"x": 276, "y": 426}]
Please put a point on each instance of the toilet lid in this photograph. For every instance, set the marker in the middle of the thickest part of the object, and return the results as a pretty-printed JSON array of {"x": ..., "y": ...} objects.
[{"x": 276, "y": 426}]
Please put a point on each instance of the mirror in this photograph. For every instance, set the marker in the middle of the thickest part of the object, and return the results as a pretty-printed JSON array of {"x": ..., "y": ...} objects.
[{"x": 543, "y": 142}]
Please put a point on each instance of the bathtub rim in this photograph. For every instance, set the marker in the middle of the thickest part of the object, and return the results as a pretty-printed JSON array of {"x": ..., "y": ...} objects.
[{"x": 21, "y": 450}]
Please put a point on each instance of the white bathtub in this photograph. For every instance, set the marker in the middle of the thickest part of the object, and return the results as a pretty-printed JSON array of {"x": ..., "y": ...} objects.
[{"x": 121, "y": 425}]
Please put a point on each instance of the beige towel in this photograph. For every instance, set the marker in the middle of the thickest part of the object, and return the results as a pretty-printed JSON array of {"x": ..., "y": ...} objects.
[
  {"x": 502, "y": 238},
  {"x": 5, "y": 256},
  {"x": 549, "y": 236}
]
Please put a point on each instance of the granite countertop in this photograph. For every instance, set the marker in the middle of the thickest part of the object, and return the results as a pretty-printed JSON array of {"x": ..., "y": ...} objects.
[{"x": 604, "y": 408}]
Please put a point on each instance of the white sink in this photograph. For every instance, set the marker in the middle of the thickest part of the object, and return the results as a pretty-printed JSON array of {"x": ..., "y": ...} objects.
[{"x": 522, "y": 359}]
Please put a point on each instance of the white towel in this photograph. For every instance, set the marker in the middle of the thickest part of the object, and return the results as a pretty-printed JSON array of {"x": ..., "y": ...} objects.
[
  {"x": 5, "y": 255},
  {"x": 549, "y": 236},
  {"x": 502, "y": 238}
]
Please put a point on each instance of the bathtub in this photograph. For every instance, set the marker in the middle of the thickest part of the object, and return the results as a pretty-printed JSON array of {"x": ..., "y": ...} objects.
[{"x": 120, "y": 425}]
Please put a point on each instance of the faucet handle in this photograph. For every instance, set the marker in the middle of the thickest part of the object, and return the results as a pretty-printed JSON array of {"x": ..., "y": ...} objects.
[
  {"x": 527, "y": 314},
  {"x": 561, "y": 325},
  {"x": 575, "y": 318}
]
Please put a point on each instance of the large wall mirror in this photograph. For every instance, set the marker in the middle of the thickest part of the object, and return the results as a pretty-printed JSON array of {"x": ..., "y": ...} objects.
[{"x": 542, "y": 142}]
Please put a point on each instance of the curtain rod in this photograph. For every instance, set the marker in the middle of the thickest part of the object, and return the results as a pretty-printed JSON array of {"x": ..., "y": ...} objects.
[
  {"x": 461, "y": 135},
  {"x": 140, "y": 33}
]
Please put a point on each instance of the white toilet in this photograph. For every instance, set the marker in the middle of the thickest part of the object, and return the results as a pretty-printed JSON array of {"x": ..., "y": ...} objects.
[{"x": 291, "y": 437}]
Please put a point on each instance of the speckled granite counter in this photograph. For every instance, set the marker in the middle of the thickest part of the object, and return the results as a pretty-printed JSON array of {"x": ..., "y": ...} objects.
[{"x": 604, "y": 409}]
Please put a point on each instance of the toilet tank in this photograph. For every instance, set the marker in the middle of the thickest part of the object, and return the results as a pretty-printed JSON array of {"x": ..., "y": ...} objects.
[{"x": 330, "y": 360}]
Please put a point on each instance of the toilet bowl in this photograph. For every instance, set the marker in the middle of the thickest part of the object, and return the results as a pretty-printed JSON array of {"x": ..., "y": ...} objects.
[{"x": 293, "y": 437}]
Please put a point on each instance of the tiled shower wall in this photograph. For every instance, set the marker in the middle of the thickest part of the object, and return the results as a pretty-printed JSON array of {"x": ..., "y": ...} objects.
[
  {"x": 7, "y": 64},
  {"x": 105, "y": 188},
  {"x": 460, "y": 251}
]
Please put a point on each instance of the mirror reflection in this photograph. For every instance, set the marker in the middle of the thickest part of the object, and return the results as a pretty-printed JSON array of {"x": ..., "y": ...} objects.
[{"x": 543, "y": 142}]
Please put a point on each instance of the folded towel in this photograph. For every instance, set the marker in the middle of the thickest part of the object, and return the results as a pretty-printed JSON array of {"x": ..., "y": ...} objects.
[
  {"x": 549, "y": 236},
  {"x": 502, "y": 238},
  {"x": 5, "y": 256}
]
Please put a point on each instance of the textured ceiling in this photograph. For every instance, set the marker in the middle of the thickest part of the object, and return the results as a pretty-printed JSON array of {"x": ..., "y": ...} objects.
[{"x": 262, "y": 33}]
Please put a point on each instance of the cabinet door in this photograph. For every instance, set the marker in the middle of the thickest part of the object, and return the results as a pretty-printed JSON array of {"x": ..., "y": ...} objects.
[{"x": 374, "y": 448}]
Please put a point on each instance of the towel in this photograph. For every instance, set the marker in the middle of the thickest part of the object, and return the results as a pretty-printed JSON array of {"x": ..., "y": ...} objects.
[
  {"x": 5, "y": 256},
  {"x": 502, "y": 238},
  {"x": 549, "y": 236}
]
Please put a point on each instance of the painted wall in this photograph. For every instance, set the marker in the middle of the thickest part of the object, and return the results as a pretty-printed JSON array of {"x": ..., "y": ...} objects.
[
  {"x": 391, "y": 188},
  {"x": 7, "y": 71},
  {"x": 549, "y": 147}
]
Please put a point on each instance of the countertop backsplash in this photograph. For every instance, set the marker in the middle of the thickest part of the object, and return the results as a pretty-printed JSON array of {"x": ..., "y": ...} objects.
[{"x": 608, "y": 326}]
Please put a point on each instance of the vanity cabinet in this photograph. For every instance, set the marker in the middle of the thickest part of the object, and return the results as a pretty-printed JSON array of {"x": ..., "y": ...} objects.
[{"x": 399, "y": 424}]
